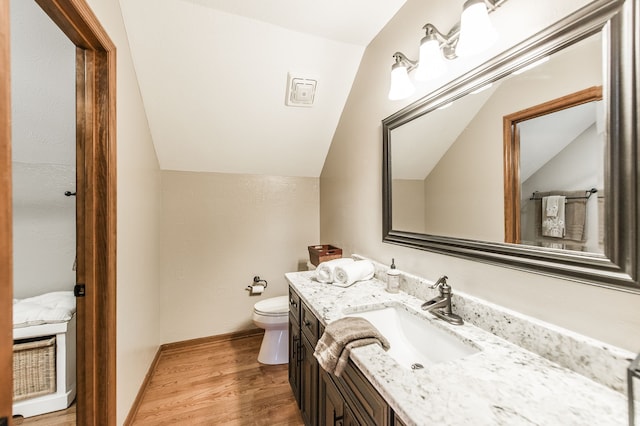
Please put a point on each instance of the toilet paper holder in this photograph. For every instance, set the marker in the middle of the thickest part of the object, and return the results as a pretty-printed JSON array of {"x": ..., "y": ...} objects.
[{"x": 258, "y": 286}]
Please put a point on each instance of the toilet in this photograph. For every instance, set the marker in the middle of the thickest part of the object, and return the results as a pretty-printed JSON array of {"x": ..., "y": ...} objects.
[{"x": 273, "y": 316}]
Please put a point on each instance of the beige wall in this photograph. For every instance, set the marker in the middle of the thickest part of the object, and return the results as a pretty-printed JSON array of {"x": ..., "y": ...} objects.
[
  {"x": 408, "y": 193},
  {"x": 218, "y": 231},
  {"x": 43, "y": 152},
  {"x": 138, "y": 223},
  {"x": 350, "y": 185},
  {"x": 469, "y": 177}
]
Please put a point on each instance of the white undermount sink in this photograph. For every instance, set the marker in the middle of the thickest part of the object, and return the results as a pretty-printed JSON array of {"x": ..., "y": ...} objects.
[{"x": 414, "y": 341}]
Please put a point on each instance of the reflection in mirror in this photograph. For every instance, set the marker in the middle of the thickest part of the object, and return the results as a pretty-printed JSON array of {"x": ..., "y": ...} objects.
[
  {"x": 452, "y": 185},
  {"x": 447, "y": 165},
  {"x": 558, "y": 149}
]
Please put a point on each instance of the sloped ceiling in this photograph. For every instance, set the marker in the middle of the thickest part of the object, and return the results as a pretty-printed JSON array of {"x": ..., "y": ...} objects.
[
  {"x": 213, "y": 77},
  {"x": 543, "y": 138},
  {"x": 419, "y": 145}
]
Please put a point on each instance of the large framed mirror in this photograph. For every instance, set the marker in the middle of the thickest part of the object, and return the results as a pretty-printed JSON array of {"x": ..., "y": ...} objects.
[{"x": 528, "y": 161}]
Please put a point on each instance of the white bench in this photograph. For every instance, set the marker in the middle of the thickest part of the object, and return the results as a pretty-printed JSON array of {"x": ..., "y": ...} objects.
[{"x": 65, "y": 333}]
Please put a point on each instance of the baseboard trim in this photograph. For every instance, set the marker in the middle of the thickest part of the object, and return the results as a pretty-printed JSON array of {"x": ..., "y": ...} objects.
[
  {"x": 212, "y": 339},
  {"x": 133, "y": 412}
]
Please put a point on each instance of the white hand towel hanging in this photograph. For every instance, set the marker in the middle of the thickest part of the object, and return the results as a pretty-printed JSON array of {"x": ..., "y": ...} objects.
[
  {"x": 553, "y": 205},
  {"x": 553, "y": 225}
]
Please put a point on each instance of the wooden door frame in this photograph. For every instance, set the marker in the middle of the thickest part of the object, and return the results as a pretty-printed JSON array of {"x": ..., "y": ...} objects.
[
  {"x": 6, "y": 224},
  {"x": 96, "y": 209}
]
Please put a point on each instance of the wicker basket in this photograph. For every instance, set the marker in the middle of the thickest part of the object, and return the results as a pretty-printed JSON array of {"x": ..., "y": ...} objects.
[{"x": 34, "y": 367}]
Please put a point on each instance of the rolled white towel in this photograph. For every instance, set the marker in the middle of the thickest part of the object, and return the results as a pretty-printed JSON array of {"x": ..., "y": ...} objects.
[
  {"x": 325, "y": 270},
  {"x": 345, "y": 275}
]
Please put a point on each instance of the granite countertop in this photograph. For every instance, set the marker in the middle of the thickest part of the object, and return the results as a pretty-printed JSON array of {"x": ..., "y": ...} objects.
[{"x": 502, "y": 384}]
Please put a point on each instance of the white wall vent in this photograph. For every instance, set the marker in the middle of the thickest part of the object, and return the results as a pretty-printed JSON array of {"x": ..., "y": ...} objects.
[{"x": 301, "y": 91}]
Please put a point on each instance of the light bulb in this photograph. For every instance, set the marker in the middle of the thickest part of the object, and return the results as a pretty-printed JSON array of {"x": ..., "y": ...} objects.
[
  {"x": 476, "y": 31},
  {"x": 431, "y": 63},
  {"x": 401, "y": 86}
]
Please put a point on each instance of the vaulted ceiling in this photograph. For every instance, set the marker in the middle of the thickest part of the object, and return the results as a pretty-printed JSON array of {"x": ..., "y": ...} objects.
[{"x": 213, "y": 77}]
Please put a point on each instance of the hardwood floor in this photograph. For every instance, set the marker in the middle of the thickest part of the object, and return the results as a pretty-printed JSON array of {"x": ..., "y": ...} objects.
[
  {"x": 218, "y": 383},
  {"x": 213, "y": 383},
  {"x": 59, "y": 418}
]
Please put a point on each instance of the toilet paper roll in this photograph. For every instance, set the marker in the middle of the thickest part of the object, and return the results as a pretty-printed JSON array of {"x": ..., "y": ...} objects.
[{"x": 257, "y": 289}]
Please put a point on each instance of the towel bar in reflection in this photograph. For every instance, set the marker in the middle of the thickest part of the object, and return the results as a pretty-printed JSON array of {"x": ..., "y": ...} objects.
[{"x": 587, "y": 194}]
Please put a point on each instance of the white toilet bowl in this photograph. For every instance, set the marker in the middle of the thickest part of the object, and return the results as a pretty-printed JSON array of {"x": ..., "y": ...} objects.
[{"x": 273, "y": 316}]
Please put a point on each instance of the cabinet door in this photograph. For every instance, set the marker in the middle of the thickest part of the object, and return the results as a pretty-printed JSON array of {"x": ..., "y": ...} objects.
[
  {"x": 397, "y": 421},
  {"x": 331, "y": 403},
  {"x": 294, "y": 359},
  {"x": 366, "y": 403},
  {"x": 349, "y": 418},
  {"x": 309, "y": 385}
]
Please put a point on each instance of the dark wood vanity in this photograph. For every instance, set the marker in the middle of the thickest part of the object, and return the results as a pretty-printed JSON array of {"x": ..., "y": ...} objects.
[{"x": 323, "y": 398}]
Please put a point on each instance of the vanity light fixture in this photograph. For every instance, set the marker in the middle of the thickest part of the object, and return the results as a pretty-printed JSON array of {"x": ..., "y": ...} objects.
[{"x": 472, "y": 35}]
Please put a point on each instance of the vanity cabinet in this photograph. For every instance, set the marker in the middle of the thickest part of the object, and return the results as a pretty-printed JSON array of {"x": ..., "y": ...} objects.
[
  {"x": 294, "y": 344},
  {"x": 351, "y": 400},
  {"x": 323, "y": 398},
  {"x": 397, "y": 421},
  {"x": 334, "y": 410},
  {"x": 304, "y": 331}
]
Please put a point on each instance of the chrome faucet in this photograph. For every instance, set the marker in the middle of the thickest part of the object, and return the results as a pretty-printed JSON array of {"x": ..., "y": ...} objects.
[{"x": 440, "y": 306}]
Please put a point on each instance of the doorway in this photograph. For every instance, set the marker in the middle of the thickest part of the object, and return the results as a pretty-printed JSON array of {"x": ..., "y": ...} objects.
[{"x": 96, "y": 210}]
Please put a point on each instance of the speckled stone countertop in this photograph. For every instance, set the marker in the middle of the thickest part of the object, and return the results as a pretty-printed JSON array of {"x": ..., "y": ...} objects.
[{"x": 502, "y": 384}]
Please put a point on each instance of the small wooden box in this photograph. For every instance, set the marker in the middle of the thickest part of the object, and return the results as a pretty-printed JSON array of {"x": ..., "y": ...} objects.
[{"x": 322, "y": 253}]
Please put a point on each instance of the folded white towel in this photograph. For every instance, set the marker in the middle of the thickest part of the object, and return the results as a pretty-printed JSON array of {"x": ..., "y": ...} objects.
[
  {"x": 360, "y": 270},
  {"x": 325, "y": 271},
  {"x": 57, "y": 306}
]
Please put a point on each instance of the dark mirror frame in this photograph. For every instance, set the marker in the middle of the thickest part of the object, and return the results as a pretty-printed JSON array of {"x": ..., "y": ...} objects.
[{"x": 618, "y": 268}]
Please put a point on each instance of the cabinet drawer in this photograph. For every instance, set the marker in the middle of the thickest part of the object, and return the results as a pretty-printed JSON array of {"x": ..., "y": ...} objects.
[
  {"x": 309, "y": 325},
  {"x": 294, "y": 305},
  {"x": 366, "y": 399}
]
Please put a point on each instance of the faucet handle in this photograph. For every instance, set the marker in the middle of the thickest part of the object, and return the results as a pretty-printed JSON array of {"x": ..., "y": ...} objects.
[{"x": 442, "y": 281}]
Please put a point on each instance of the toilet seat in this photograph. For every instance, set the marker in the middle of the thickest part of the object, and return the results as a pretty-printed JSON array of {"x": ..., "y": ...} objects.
[{"x": 273, "y": 307}]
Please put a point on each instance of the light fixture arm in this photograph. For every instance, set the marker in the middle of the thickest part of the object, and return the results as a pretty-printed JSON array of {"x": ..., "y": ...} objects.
[
  {"x": 401, "y": 59},
  {"x": 431, "y": 29},
  {"x": 449, "y": 41}
]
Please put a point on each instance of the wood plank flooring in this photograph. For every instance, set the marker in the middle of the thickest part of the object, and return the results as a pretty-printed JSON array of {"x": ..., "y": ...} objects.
[
  {"x": 59, "y": 418},
  {"x": 218, "y": 383},
  {"x": 213, "y": 383}
]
